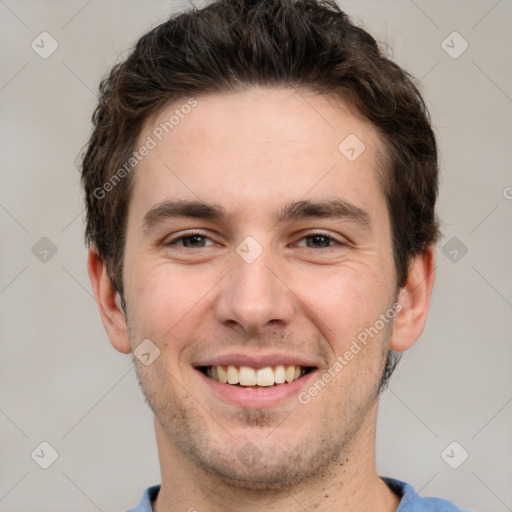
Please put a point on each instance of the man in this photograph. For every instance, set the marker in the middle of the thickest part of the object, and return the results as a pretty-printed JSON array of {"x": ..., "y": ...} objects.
[{"x": 260, "y": 187}]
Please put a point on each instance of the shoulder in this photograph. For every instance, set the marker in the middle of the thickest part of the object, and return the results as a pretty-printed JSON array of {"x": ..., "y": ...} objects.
[
  {"x": 410, "y": 502},
  {"x": 147, "y": 499},
  {"x": 413, "y": 502}
]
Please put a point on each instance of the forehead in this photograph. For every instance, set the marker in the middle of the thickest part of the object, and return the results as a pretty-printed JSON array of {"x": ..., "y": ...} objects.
[{"x": 256, "y": 148}]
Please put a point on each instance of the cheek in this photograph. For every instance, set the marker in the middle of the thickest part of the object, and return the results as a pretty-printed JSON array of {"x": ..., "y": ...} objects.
[
  {"x": 165, "y": 298},
  {"x": 346, "y": 293},
  {"x": 155, "y": 297},
  {"x": 343, "y": 303}
]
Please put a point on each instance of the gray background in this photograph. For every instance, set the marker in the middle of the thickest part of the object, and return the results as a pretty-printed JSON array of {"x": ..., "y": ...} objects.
[{"x": 61, "y": 381}]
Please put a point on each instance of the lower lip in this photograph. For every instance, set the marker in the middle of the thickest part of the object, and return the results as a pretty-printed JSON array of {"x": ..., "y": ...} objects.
[{"x": 257, "y": 397}]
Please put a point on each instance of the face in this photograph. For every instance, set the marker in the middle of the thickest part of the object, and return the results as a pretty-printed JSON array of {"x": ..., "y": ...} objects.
[{"x": 254, "y": 243}]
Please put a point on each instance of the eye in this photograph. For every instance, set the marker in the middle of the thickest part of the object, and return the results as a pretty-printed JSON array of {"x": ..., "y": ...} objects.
[
  {"x": 319, "y": 241},
  {"x": 191, "y": 241}
]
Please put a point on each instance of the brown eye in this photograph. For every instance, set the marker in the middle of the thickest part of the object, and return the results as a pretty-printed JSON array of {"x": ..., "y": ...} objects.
[
  {"x": 191, "y": 241},
  {"x": 318, "y": 241}
]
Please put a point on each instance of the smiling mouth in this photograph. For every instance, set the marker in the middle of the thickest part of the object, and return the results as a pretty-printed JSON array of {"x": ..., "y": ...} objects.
[{"x": 245, "y": 376}]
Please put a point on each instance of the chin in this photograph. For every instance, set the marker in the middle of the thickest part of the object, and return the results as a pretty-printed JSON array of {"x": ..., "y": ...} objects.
[
  {"x": 259, "y": 459},
  {"x": 252, "y": 469}
]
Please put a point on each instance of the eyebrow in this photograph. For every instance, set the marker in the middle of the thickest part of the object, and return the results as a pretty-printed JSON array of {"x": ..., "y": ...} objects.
[
  {"x": 292, "y": 211},
  {"x": 181, "y": 208},
  {"x": 335, "y": 208}
]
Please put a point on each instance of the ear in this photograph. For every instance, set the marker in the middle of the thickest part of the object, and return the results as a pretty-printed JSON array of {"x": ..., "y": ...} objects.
[
  {"x": 109, "y": 302},
  {"x": 414, "y": 299}
]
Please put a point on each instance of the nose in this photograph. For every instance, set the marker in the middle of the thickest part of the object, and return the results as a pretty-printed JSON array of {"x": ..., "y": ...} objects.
[{"x": 255, "y": 296}]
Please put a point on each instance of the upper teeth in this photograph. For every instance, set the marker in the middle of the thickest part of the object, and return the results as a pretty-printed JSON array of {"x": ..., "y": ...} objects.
[{"x": 246, "y": 376}]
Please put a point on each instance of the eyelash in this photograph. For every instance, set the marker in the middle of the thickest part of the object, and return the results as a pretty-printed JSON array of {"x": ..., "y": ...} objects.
[{"x": 175, "y": 241}]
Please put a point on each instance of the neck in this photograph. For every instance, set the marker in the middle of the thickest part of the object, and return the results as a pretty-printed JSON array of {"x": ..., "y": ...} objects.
[{"x": 351, "y": 486}]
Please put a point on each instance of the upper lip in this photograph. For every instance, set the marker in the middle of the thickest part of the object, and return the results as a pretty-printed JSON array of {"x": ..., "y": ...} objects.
[{"x": 254, "y": 360}]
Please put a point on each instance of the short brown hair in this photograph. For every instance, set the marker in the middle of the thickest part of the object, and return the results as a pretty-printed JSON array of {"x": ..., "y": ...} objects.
[{"x": 310, "y": 45}]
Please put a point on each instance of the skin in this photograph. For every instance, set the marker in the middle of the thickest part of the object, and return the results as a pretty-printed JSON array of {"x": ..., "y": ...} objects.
[{"x": 252, "y": 152}]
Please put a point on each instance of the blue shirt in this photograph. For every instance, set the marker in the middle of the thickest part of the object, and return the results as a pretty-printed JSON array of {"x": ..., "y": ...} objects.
[{"x": 410, "y": 502}]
